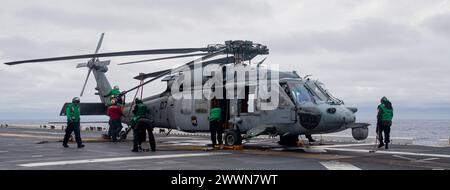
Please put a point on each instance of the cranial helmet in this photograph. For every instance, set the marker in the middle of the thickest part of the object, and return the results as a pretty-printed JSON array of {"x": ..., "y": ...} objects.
[{"x": 76, "y": 100}]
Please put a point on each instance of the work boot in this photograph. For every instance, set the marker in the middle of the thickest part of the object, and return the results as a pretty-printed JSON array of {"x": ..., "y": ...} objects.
[
  {"x": 81, "y": 146},
  {"x": 65, "y": 146},
  {"x": 380, "y": 145},
  {"x": 386, "y": 147},
  {"x": 136, "y": 149}
]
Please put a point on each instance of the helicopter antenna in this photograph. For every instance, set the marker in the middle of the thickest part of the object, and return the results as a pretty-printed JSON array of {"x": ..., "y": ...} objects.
[{"x": 261, "y": 62}]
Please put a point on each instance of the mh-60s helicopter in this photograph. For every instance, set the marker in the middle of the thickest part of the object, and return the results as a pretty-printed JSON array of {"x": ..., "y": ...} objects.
[{"x": 255, "y": 101}]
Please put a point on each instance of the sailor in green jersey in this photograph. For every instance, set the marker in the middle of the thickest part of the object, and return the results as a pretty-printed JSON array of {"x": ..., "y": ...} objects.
[
  {"x": 215, "y": 120},
  {"x": 384, "y": 122},
  {"x": 73, "y": 123},
  {"x": 141, "y": 125},
  {"x": 114, "y": 94}
]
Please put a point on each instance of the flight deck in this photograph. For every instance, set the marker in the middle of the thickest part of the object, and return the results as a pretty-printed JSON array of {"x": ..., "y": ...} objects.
[{"x": 40, "y": 149}]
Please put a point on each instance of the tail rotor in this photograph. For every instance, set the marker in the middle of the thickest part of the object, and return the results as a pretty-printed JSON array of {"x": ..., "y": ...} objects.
[{"x": 94, "y": 62}]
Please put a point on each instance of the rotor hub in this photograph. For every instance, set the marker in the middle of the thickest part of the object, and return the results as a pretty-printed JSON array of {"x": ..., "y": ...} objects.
[{"x": 239, "y": 47}]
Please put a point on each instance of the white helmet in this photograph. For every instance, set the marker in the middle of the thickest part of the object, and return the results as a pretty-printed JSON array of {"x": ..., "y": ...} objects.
[
  {"x": 116, "y": 87},
  {"x": 76, "y": 100}
]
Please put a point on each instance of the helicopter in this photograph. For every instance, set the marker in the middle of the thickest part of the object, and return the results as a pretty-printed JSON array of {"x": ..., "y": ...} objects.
[{"x": 256, "y": 100}]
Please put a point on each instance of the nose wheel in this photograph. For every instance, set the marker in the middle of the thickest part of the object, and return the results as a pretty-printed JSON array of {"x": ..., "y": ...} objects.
[
  {"x": 233, "y": 137},
  {"x": 123, "y": 134}
]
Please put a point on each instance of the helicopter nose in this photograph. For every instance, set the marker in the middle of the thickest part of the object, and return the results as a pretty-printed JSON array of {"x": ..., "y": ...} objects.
[
  {"x": 339, "y": 116},
  {"x": 348, "y": 115}
]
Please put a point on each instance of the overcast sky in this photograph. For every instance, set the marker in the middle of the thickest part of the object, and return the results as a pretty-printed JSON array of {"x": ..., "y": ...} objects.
[{"x": 361, "y": 49}]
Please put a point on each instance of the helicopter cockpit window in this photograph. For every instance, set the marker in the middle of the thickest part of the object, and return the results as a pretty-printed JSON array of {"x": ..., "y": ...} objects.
[
  {"x": 319, "y": 94},
  {"x": 322, "y": 93},
  {"x": 331, "y": 98},
  {"x": 299, "y": 93}
]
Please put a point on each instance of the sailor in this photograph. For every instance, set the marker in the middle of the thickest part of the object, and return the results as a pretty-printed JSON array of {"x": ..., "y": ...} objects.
[
  {"x": 115, "y": 113},
  {"x": 215, "y": 119},
  {"x": 141, "y": 125},
  {"x": 114, "y": 94},
  {"x": 384, "y": 122},
  {"x": 73, "y": 123}
]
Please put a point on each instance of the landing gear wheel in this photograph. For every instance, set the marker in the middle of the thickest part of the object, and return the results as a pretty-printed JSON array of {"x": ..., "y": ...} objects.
[
  {"x": 123, "y": 135},
  {"x": 288, "y": 140},
  {"x": 233, "y": 137}
]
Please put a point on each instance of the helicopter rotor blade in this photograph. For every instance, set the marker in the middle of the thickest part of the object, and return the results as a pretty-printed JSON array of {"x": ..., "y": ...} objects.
[
  {"x": 99, "y": 43},
  {"x": 163, "y": 58},
  {"x": 95, "y": 63},
  {"x": 227, "y": 60},
  {"x": 199, "y": 60},
  {"x": 220, "y": 61},
  {"x": 79, "y": 65},
  {"x": 115, "y": 54},
  {"x": 166, "y": 72},
  {"x": 150, "y": 75},
  {"x": 85, "y": 82},
  {"x": 224, "y": 60}
]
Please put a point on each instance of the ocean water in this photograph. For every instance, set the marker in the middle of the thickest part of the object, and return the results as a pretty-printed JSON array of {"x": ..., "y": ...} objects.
[{"x": 424, "y": 132}]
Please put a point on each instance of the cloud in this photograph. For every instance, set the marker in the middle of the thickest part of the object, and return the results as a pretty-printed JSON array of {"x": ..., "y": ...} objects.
[
  {"x": 361, "y": 35},
  {"x": 361, "y": 50},
  {"x": 439, "y": 24}
]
